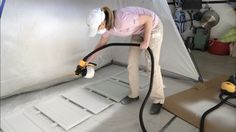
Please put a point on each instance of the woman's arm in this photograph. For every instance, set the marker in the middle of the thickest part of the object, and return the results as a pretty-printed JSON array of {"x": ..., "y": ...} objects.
[
  {"x": 102, "y": 41},
  {"x": 147, "y": 22}
]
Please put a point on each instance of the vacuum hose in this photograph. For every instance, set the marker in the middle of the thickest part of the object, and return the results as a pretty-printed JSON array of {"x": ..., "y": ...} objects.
[
  {"x": 223, "y": 101},
  {"x": 228, "y": 89},
  {"x": 151, "y": 78}
]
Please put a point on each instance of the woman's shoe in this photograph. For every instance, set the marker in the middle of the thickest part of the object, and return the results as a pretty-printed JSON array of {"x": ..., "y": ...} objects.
[
  {"x": 155, "y": 108},
  {"x": 128, "y": 100}
]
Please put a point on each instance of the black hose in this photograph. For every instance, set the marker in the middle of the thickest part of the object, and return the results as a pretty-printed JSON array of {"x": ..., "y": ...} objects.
[
  {"x": 227, "y": 94},
  {"x": 151, "y": 78},
  {"x": 202, "y": 122}
]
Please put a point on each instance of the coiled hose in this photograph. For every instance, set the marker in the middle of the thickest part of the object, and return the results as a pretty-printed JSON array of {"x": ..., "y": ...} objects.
[
  {"x": 151, "y": 78},
  {"x": 223, "y": 101}
]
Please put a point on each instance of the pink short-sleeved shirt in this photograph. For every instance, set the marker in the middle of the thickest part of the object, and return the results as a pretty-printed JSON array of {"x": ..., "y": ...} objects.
[{"x": 127, "y": 21}]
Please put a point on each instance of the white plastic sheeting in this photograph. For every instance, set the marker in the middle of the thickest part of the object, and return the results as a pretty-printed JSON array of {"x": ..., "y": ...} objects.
[
  {"x": 116, "y": 118},
  {"x": 42, "y": 41},
  {"x": 174, "y": 56}
]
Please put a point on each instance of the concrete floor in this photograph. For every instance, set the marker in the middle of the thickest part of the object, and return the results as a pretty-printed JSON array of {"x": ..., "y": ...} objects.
[
  {"x": 125, "y": 118},
  {"x": 211, "y": 65}
]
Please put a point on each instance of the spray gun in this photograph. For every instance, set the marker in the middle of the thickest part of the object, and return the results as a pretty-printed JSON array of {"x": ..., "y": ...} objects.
[{"x": 86, "y": 69}]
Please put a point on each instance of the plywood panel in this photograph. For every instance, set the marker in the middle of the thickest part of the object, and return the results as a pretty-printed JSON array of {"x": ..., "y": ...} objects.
[{"x": 190, "y": 104}]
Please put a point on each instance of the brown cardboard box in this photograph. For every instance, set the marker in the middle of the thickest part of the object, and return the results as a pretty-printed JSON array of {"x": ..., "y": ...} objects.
[{"x": 192, "y": 103}]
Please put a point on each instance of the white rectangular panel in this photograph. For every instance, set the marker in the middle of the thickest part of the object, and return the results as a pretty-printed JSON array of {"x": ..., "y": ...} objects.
[
  {"x": 89, "y": 100},
  {"x": 18, "y": 123},
  {"x": 41, "y": 120},
  {"x": 63, "y": 112},
  {"x": 111, "y": 89},
  {"x": 123, "y": 77}
]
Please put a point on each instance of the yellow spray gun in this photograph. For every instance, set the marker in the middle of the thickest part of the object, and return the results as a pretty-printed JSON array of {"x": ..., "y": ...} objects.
[{"x": 86, "y": 69}]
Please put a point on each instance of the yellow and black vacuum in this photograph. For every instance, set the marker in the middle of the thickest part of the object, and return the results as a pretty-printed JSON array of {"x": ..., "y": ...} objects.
[{"x": 228, "y": 91}]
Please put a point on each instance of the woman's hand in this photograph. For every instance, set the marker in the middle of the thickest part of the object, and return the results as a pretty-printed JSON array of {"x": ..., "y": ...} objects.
[{"x": 144, "y": 45}]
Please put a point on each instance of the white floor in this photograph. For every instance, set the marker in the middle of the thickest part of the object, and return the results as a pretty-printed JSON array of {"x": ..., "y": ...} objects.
[{"x": 117, "y": 117}]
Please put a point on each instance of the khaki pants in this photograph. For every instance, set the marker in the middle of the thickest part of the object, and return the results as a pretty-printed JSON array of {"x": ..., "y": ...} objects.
[{"x": 157, "y": 94}]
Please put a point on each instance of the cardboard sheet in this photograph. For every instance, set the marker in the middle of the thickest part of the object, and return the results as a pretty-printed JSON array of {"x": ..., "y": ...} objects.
[{"x": 192, "y": 103}]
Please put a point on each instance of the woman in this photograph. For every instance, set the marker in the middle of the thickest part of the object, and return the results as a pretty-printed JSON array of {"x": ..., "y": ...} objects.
[{"x": 145, "y": 28}]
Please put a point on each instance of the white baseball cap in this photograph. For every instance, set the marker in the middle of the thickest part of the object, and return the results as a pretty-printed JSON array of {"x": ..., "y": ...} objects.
[{"x": 94, "y": 19}]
